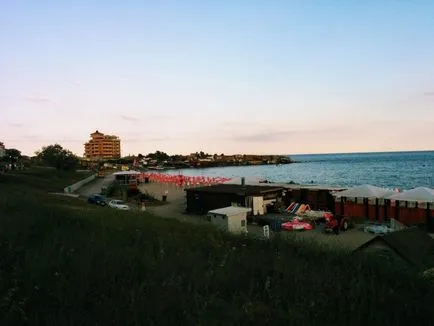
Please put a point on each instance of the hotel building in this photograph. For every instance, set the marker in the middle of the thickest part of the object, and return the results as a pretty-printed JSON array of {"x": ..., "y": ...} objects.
[{"x": 102, "y": 146}]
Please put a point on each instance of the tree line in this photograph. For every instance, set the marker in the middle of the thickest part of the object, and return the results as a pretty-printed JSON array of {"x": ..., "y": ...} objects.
[{"x": 53, "y": 155}]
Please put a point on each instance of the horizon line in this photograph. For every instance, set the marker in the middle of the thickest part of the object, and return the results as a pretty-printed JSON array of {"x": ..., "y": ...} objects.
[{"x": 367, "y": 152}]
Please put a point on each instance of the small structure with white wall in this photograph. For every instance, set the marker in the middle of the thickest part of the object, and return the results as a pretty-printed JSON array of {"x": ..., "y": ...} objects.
[
  {"x": 127, "y": 178},
  {"x": 232, "y": 219}
]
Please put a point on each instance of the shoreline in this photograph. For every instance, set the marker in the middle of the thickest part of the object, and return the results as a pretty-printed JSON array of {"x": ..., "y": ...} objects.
[{"x": 198, "y": 167}]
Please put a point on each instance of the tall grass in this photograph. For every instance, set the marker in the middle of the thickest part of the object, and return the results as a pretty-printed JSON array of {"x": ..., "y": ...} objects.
[{"x": 63, "y": 262}]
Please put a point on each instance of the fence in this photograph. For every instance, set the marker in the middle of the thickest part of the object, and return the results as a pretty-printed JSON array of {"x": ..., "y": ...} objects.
[{"x": 74, "y": 187}]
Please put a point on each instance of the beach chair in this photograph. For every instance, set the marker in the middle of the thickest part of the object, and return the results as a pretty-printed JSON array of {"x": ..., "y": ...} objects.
[
  {"x": 290, "y": 207},
  {"x": 294, "y": 209}
]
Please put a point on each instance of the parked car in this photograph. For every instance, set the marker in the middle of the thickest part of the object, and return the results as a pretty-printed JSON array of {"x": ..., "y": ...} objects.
[
  {"x": 118, "y": 204},
  {"x": 97, "y": 199}
]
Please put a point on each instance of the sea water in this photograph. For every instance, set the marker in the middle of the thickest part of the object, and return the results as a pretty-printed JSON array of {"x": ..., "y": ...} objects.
[{"x": 404, "y": 170}]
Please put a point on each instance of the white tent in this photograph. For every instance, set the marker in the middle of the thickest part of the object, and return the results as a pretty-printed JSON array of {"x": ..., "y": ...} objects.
[
  {"x": 420, "y": 194},
  {"x": 365, "y": 191}
]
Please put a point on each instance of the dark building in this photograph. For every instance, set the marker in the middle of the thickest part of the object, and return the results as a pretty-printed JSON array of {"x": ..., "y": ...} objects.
[
  {"x": 411, "y": 246},
  {"x": 318, "y": 197},
  {"x": 203, "y": 199}
]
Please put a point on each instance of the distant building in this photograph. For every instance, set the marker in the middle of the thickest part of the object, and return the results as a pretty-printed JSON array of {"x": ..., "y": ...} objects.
[
  {"x": 102, "y": 146},
  {"x": 2, "y": 150}
]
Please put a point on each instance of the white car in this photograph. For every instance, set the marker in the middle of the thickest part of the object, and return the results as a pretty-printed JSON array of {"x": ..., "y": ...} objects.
[{"x": 118, "y": 204}]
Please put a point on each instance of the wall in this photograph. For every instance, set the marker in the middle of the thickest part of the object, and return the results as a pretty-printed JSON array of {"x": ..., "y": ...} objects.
[
  {"x": 359, "y": 212},
  {"x": 221, "y": 221},
  {"x": 317, "y": 199},
  {"x": 199, "y": 202},
  {"x": 234, "y": 223},
  {"x": 74, "y": 187}
]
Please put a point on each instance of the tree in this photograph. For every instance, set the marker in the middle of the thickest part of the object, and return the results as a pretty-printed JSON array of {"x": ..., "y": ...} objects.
[
  {"x": 12, "y": 155},
  {"x": 58, "y": 157},
  {"x": 159, "y": 156}
]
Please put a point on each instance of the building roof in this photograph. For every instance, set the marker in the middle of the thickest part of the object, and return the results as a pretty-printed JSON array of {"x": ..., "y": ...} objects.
[
  {"x": 412, "y": 244},
  {"x": 247, "y": 180},
  {"x": 126, "y": 173},
  {"x": 256, "y": 181},
  {"x": 231, "y": 210},
  {"x": 235, "y": 189}
]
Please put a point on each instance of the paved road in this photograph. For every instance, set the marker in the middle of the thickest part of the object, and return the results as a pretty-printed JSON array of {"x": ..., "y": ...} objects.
[{"x": 95, "y": 186}]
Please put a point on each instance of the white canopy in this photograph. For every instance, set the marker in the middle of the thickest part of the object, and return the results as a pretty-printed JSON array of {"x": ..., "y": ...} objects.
[
  {"x": 365, "y": 191},
  {"x": 420, "y": 194}
]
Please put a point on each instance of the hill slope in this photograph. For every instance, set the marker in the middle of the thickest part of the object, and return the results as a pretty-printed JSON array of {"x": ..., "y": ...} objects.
[{"x": 63, "y": 262}]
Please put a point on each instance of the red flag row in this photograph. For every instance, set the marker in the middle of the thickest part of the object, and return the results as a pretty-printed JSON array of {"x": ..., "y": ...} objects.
[{"x": 182, "y": 180}]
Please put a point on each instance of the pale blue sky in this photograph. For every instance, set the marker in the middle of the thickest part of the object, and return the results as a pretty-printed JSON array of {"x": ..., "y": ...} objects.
[{"x": 218, "y": 76}]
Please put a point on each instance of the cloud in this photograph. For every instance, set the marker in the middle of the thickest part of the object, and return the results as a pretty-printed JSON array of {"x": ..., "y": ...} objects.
[
  {"x": 147, "y": 139},
  {"x": 264, "y": 136},
  {"x": 128, "y": 118},
  {"x": 429, "y": 93},
  {"x": 149, "y": 117},
  {"x": 238, "y": 123},
  {"x": 15, "y": 125},
  {"x": 38, "y": 99},
  {"x": 71, "y": 140},
  {"x": 282, "y": 135},
  {"x": 159, "y": 139},
  {"x": 73, "y": 82}
]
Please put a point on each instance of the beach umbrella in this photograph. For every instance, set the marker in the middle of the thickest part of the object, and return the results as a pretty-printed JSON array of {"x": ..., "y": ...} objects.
[
  {"x": 365, "y": 191},
  {"x": 419, "y": 194}
]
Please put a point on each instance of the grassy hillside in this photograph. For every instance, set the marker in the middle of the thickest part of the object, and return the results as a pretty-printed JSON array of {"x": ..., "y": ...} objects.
[{"x": 63, "y": 262}]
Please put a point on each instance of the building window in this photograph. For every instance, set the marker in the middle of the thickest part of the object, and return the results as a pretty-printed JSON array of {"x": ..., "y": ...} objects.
[{"x": 243, "y": 223}]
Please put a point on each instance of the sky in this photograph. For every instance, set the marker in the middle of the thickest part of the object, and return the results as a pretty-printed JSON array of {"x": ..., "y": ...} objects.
[{"x": 245, "y": 76}]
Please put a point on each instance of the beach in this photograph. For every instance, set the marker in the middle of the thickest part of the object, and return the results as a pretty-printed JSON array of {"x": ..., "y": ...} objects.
[{"x": 176, "y": 205}]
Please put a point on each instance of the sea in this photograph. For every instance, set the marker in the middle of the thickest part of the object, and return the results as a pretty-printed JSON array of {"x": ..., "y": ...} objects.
[{"x": 403, "y": 170}]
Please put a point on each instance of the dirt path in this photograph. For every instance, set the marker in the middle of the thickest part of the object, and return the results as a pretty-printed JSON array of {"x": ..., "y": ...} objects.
[{"x": 176, "y": 203}]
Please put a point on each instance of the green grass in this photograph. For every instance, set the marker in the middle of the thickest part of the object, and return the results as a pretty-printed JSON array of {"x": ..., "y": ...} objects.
[
  {"x": 42, "y": 179},
  {"x": 63, "y": 262}
]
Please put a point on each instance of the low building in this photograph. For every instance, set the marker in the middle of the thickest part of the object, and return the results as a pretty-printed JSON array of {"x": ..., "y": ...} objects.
[
  {"x": 232, "y": 219},
  {"x": 203, "y": 199},
  {"x": 411, "y": 246},
  {"x": 127, "y": 178},
  {"x": 319, "y": 197}
]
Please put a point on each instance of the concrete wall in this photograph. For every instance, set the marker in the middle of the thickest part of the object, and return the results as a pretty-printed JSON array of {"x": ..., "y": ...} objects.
[{"x": 74, "y": 187}]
